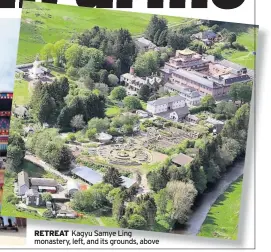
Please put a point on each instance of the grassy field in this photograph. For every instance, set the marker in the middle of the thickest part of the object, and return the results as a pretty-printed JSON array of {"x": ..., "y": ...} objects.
[
  {"x": 222, "y": 220},
  {"x": 44, "y": 23},
  {"x": 246, "y": 58},
  {"x": 21, "y": 92},
  {"x": 112, "y": 111}
]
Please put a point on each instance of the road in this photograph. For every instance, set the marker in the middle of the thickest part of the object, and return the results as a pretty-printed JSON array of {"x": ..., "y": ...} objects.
[{"x": 197, "y": 218}]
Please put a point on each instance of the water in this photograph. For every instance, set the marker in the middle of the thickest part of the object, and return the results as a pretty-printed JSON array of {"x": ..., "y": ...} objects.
[{"x": 197, "y": 218}]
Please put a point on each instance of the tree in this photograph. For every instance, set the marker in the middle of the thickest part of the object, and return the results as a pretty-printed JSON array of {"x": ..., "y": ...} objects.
[
  {"x": 118, "y": 93},
  {"x": 103, "y": 76},
  {"x": 208, "y": 101},
  {"x": 144, "y": 92},
  {"x": 156, "y": 36},
  {"x": 241, "y": 91},
  {"x": 147, "y": 63},
  {"x": 178, "y": 41},
  {"x": 118, "y": 208},
  {"x": 215, "y": 28},
  {"x": 73, "y": 55},
  {"x": 15, "y": 152},
  {"x": 113, "y": 80},
  {"x": 91, "y": 133},
  {"x": 46, "y": 196},
  {"x": 88, "y": 83},
  {"x": 46, "y": 52},
  {"x": 59, "y": 52},
  {"x": 113, "y": 177},
  {"x": 132, "y": 103},
  {"x": 162, "y": 41},
  {"x": 99, "y": 124},
  {"x": 102, "y": 88},
  {"x": 232, "y": 38},
  {"x": 227, "y": 109},
  {"x": 182, "y": 195},
  {"x": 78, "y": 122},
  {"x": 156, "y": 23},
  {"x": 137, "y": 222}
]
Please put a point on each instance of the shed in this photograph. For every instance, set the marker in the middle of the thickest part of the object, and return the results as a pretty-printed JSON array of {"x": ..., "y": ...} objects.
[
  {"x": 88, "y": 175},
  {"x": 44, "y": 184},
  {"x": 72, "y": 187},
  {"x": 127, "y": 182},
  {"x": 182, "y": 159},
  {"x": 23, "y": 182}
]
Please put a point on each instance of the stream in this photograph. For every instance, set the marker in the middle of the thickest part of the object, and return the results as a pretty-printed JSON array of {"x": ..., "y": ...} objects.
[{"x": 193, "y": 225}]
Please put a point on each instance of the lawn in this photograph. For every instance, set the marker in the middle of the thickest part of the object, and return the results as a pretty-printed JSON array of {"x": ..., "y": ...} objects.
[
  {"x": 222, "y": 220},
  {"x": 112, "y": 111},
  {"x": 44, "y": 23},
  {"x": 109, "y": 221},
  {"x": 21, "y": 92},
  {"x": 244, "y": 58}
]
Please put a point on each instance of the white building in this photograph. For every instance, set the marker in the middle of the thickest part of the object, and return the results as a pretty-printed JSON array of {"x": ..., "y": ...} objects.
[
  {"x": 191, "y": 95},
  {"x": 37, "y": 71},
  {"x": 166, "y": 104}
]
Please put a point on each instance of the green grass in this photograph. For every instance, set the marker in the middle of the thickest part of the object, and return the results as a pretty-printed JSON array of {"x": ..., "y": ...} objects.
[
  {"x": 222, "y": 220},
  {"x": 109, "y": 221},
  {"x": 246, "y": 58},
  {"x": 45, "y": 23},
  {"x": 112, "y": 111},
  {"x": 21, "y": 92}
]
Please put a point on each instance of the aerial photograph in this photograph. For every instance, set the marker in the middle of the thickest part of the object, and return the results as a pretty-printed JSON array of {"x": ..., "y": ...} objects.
[{"x": 129, "y": 120}]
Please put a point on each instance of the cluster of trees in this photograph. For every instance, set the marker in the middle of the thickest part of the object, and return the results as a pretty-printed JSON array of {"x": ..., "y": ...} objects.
[
  {"x": 48, "y": 100},
  {"x": 159, "y": 33},
  {"x": 47, "y": 145},
  {"x": 15, "y": 152},
  {"x": 124, "y": 124},
  {"x": 219, "y": 153},
  {"x": 57, "y": 104},
  {"x": 241, "y": 92}
]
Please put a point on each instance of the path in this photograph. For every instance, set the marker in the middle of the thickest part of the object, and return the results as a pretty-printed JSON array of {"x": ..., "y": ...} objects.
[
  {"x": 197, "y": 218},
  {"x": 45, "y": 166}
]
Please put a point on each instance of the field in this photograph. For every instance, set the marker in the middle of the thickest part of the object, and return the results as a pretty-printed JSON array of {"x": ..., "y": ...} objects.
[
  {"x": 21, "y": 92},
  {"x": 222, "y": 220},
  {"x": 45, "y": 23},
  {"x": 246, "y": 58}
]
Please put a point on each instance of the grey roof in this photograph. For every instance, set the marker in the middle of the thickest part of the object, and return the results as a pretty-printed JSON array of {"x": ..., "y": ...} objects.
[
  {"x": 191, "y": 92},
  {"x": 237, "y": 67},
  {"x": 193, "y": 117},
  {"x": 32, "y": 192},
  {"x": 145, "y": 42},
  {"x": 21, "y": 111},
  {"x": 214, "y": 121},
  {"x": 166, "y": 100},
  {"x": 205, "y": 35},
  {"x": 43, "y": 182},
  {"x": 182, "y": 159},
  {"x": 181, "y": 112},
  {"x": 88, "y": 174},
  {"x": 195, "y": 77},
  {"x": 23, "y": 179},
  {"x": 127, "y": 182}
]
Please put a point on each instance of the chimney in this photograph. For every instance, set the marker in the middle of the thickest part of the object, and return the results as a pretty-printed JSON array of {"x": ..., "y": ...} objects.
[{"x": 132, "y": 70}]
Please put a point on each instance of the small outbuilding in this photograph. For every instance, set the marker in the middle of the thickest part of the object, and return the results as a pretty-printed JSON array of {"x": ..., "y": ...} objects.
[{"x": 182, "y": 159}]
